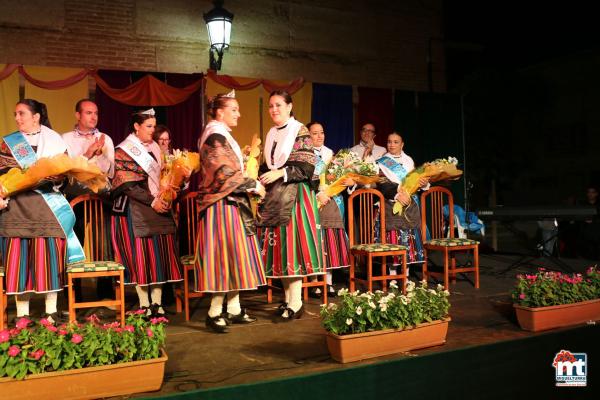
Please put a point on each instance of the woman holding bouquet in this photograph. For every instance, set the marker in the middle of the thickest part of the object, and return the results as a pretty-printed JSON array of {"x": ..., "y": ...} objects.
[
  {"x": 36, "y": 225},
  {"x": 228, "y": 257},
  {"x": 288, "y": 217},
  {"x": 331, "y": 213},
  {"x": 403, "y": 228},
  {"x": 142, "y": 227}
]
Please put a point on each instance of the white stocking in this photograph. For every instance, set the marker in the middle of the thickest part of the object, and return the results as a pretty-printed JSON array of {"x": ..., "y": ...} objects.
[
  {"x": 22, "y": 301},
  {"x": 142, "y": 292},
  {"x": 216, "y": 305},
  {"x": 156, "y": 296},
  {"x": 295, "y": 289},
  {"x": 233, "y": 303}
]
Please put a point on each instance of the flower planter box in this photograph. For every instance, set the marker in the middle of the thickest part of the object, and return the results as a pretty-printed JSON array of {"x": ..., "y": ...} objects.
[
  {"x": 360, "y": 346},
  {"x": 543, "y": 318},
  {"x": 88, "y": 383}
]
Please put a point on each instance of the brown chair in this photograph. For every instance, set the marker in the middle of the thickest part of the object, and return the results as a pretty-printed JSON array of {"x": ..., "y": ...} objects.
[
  {"x": 442, "y": 238},
  {"x": 3, "y": 301},
  {"x": 188, "y": 229},
  {"x": 94, "y": 265},
  {"x": 361, "y": 232}
]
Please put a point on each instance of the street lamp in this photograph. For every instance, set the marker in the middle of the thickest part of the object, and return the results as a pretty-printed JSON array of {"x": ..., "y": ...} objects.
[{"x": 218, "y": 23}]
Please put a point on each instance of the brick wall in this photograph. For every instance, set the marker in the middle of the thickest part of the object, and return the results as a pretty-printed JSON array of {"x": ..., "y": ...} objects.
[{"x": 368, "y": 43}]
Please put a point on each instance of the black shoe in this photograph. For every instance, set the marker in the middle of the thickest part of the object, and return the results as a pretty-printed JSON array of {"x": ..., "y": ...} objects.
[
  {"x": 331, "y": 291},
  {"x": 281, "y": 309},
  {"x": 155, "y": 311},
  {"x": 292, "y": 314},
  {"x": 218, "y": 328},
  {"x": 314, "y": 294},
  {"x": 241, "y": 318},
  {"x": 53, "y": 318}
]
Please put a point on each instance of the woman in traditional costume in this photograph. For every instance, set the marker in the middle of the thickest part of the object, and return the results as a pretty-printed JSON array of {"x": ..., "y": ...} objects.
[
  {"x": 142, "y": 227},
  {"x": 401, "y": 228},
  {"x": 36, "y": 226},
  {"x": 228, "y": 257},
  {"x": 288, "y": 217},
  {"x": 336, "y": 248}
]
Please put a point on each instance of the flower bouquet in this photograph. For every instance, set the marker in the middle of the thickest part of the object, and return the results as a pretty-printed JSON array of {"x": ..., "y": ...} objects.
[
  {"x": 177, "y": 169},
  {"x": 77, "y": 168},
  {"x": 437, "y": 170},
  {"x": 251, "y": 165},
  {"x": 346, "y": 164},
  {"x": 549, "y": 299},
  {"x": 44, "y": 347}
]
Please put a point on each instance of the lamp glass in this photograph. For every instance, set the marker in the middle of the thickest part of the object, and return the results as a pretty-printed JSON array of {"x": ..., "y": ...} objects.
[{"x": 219, "y": 33}]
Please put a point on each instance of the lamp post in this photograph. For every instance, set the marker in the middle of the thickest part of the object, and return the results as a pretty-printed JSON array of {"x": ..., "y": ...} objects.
[{"x": 218, "y": 23}]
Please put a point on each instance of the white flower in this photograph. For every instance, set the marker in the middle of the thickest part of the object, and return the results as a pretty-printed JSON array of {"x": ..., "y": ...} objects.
[
  {"x": 372, "y": 305},
  {"x": 383, "y": 307},
  {"x": 424, "y": 283},
  {"x": 410, "y": 294},
  {"x": 349, "y": 321},
  {"x": 342, "y": 291},
  {"x": 404, "y": 300},
  {"x": 356, "y": 293},
  {"x": 446, "y": 293},
  {"x": 453, "y": 160},
  {"x": 394, "y": 284},
  {"x": 410, "y": 286},
  {"x": 358, "y": 310},
  {"x": 431, "y": 291},
  {"x": 332, "y": 306}
]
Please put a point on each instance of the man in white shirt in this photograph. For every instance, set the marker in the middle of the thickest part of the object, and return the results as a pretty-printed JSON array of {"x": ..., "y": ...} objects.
[
  {"x": 86, "y": 140},
  {"x": 367, "y": 149}
]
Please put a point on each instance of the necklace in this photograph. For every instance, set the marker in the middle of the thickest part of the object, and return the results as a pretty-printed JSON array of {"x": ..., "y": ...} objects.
[{"x": 31, "y": 133}]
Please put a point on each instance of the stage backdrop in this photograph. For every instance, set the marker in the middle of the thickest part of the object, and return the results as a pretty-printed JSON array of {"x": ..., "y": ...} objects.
[
  {"x": 332, "y": 107},
  {"x": 9, "y": 95}
]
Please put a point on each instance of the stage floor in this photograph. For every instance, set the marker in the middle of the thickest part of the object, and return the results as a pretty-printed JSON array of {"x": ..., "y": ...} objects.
[{"x": 267, "y": 350}]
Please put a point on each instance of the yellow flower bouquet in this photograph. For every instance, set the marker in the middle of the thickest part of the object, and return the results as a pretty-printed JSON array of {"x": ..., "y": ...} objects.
[
  {"x": 346, "y": 164},
  {"x": 177, "y": 169},
  {"x": 437, "y": 170},
  {"x": 77, "y": 168}
]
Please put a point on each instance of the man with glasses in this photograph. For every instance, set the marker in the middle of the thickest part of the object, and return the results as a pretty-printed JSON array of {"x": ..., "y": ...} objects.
[{"x": 367, "y": 149}]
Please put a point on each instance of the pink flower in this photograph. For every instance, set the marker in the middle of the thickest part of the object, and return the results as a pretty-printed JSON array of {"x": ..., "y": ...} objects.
[
  {"x": 140, "y": 311},
  {"x": 51, "y": 328},
  {"x": 45, "y": 322},
  {"x": 23, "y": 323},
  {"x": 62, "y": 332},
  {"x": 77, "y": 338},
  {"x": 158, "y": 320},
  {"x": 149, "y": 332},
  {"x": 522, "y": 296},
  {"x": 37, "y": 354},
  {"x": 14, "y": 331},
  {"x": 14, "y": 351},
  {"x": 129, "y": 328},
  {"x": 4, "y": 336},
  {"x": 93, "y": 319}
]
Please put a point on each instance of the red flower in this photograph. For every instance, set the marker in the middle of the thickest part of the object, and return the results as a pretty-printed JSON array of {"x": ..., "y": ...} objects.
[
  {"x": 149, "y": 332},
  {"x": 45, "y": 322},
  {"x": 129, "y": 328},
  {"x": 93, "y": 319},
  {"x": 23, "y": 323},
  {"x": 4, "y": 336},
  {"x": 37, "y": 354},
  {"x": 77, "y": 338},
  {"x": 62, "y": 332},
  {"x": 14, "y": 351},
  {"x": 51, "y": 328}
]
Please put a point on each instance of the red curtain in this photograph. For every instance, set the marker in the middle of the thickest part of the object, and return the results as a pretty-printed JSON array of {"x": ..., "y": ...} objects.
[
  {"x": 230, "y": 82},
  {"x": 7, "y": 71},
  {"x": 113, "y": 116},
  {"x": 376, "y": 106},
  {"x": 149, "y": 90}
]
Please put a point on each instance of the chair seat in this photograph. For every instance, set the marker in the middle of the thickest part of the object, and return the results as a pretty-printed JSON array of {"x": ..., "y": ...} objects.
[
  {"x": 188, "y": 259},
  {"x": 451, "y": 242},
  {"x": 94, "y": 266},
  {"x": 378, "y": 247}
]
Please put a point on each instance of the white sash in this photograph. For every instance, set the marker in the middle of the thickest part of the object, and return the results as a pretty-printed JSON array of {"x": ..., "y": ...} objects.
[{"x": 136, "y": 150}]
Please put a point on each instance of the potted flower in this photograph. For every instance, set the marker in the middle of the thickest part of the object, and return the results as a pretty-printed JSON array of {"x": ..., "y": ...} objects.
[
  {"x": 551, "y": 299},
  {"x": 370, "y": 325},
  {"x": 88, "y": 360}
]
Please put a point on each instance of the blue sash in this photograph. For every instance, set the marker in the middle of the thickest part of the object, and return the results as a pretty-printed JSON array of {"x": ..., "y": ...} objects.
[
  {"x": 392, "y": 166},
  {"x": 60, "y": 207}
]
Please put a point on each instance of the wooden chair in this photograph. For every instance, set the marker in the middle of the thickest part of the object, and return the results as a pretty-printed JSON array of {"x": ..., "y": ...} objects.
[
  {"x": 3, "y": 301},
  {"x": 189, "y": 230},
  {"x": 94, "y": 265},
  {"x": 361, "y": 232},
  {"x": 442, "y": 235}
]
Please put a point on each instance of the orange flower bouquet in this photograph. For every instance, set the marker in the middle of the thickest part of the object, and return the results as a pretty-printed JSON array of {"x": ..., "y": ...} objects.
[
  {"x": 177, "y": 169},
  {"x": 251, "y": 164},
  {"x": 437, "y": 170},
  {"x": 77, "y": 168}
]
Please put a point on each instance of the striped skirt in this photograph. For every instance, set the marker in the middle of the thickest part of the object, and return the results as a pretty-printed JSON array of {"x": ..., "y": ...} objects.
[
  {"x": 147, "y": 260},
  {"x": 226, "y": 258},
  {"x": 410, "y": 238},
  {"x": 295, "y": 249},
  {"x": 336, "y": 249},
  {"x": 33, "y": 264}
]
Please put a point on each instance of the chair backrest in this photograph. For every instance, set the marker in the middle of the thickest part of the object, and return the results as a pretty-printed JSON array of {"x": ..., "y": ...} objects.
[
  {"x": 95, "y": 238},
  {"x": 361, "y": 227},
  {"x": 188, "y": 221},
  {"x": 434, "y": 200}
]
